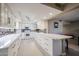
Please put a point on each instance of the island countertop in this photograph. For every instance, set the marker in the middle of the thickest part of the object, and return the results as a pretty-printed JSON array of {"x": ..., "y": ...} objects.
[{"x": 52, "y": 36}]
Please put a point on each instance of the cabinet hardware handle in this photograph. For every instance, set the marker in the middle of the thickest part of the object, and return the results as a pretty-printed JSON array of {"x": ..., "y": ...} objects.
[{"x": 13, "y": 46}]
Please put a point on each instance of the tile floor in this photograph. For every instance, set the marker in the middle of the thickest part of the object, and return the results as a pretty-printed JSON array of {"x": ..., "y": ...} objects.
[{"x": 29, "y": 48}]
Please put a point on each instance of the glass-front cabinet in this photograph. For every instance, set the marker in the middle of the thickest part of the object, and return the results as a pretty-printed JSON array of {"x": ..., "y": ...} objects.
[{"x": 7, "y": 18}]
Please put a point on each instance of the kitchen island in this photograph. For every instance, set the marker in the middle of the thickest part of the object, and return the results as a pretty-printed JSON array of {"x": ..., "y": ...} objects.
[{"x": 49, "y": 44}]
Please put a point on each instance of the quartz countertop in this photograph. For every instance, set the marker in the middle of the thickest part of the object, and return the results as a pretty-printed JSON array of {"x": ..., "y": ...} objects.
[
  {"x": 7, "y": 40},
  {"x": 52, "y": 36}
]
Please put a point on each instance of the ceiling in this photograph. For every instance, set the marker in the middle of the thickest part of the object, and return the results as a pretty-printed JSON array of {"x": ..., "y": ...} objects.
[
  {"x": 33, "y": 11},
  {"x": 44, "y": 11},
  {"x": 70, "y": 16},
  {"x": 60, "y": 6}
]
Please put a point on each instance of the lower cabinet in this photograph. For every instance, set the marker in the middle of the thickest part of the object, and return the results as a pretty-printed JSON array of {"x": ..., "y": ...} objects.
[
  {"x": 52, "y": 47},
  {"x": 4, "y": 52},
  {"x": 45, "y": 43},
  {"x": 13, "y": 49}
]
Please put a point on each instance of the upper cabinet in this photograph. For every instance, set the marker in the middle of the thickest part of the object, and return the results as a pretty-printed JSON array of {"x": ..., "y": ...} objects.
[{"x": 7, "y": 18}]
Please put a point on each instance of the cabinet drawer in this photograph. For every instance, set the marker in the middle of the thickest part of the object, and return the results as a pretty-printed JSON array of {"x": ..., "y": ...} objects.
[
  {"x": 13, "y": 49},
  {"x": 17, "y": 44}
]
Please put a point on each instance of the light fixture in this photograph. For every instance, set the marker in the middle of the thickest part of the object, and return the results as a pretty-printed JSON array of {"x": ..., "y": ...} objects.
[
  {"x": 50, "y": 13},
  {"x": 44, "y": 17}
]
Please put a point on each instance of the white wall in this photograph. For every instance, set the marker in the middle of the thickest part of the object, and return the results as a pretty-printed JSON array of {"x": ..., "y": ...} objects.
[
  {"x": 72, "y": 28},
  {"x": 42, "y": 25}
]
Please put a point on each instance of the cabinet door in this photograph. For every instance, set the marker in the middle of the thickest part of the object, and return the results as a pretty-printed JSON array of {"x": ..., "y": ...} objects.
[
  {"x": 57, "y": 47},
  {"x": 16, "y": 48},
  {"x": 11, "y": 49},
  {"x": 50, "y": 47},
  {"x": 47, "y": 45}
]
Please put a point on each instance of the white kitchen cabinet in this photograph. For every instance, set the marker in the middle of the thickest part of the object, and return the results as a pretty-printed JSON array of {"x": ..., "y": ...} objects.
[
  {"x": 50, "y": 43},
  {"x": 49, "y": 46},
  {"x": 13, "y": 49}
]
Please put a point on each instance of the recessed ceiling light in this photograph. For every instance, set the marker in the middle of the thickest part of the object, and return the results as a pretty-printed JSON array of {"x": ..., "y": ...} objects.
[
  {"x": 50, "y": 13},
  {"x": 44, "y": 17}
]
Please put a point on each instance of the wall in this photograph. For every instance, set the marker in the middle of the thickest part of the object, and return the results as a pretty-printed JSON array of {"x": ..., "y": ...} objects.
[
  {"x": 72, "y": 28},
  {"x": 42, "y": 25}
]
